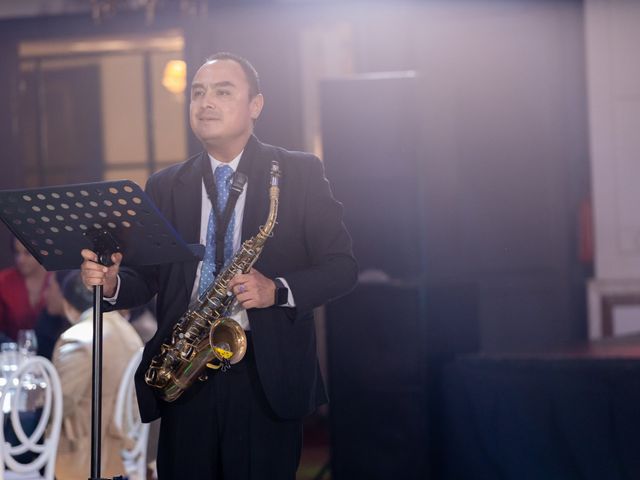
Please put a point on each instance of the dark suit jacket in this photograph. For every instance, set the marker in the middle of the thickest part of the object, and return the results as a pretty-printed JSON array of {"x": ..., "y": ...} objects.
[{"x": 310, "y": 248}]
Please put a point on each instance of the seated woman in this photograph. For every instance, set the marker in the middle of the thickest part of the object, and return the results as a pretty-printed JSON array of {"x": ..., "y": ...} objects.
[
  {"x": 22, "y": 290},
  {"x": 72, "y": 358}
]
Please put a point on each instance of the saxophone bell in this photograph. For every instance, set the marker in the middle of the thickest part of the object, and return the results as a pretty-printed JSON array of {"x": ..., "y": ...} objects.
[{"x": 228, "y": 343}]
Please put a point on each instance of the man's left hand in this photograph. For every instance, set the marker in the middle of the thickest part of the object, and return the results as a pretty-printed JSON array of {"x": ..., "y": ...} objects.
[{"x": 253, "y": 290}]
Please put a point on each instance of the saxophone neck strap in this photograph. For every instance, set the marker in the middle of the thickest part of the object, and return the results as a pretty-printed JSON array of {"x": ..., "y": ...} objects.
[{"x": 223, "y": 217}]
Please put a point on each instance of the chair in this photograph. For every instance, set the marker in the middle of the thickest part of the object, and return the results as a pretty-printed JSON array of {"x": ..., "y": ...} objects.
[
  {"x": 127, "y": 420},
  {"x": 43, "y": 441}
]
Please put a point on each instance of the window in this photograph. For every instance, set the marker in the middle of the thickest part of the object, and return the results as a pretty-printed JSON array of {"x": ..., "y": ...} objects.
[{"x": 101, "y": 108}]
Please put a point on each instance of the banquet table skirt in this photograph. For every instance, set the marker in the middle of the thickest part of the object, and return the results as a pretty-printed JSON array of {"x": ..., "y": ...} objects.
[{"x": 542, "y": 418}]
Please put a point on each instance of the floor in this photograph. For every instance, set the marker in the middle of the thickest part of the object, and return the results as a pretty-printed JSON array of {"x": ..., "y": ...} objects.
[{"x": 314, "y": 464}]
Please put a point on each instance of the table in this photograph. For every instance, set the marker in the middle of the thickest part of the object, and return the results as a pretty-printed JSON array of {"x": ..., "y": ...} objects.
[{"x": 542, "y": 417}]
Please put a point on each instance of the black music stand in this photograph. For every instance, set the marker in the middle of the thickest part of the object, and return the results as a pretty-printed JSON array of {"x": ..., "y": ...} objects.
[{"x": 55, "y": 223}]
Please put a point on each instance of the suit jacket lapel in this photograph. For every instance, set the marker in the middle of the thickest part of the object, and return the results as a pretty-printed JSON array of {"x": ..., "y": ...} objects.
[{"x": 187, "y": 198}]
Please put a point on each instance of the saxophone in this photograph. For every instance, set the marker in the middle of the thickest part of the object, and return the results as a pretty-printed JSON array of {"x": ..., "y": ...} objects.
[{"x": 205, "y": 337}]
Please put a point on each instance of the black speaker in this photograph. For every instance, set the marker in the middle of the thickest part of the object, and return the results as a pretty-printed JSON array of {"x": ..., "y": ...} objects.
[
  {"x": 386, "y": 346},
  {"x": 370, "y": 145},
  {"x": 378, "y": 406},
  {"x": 387, "y": 341}
]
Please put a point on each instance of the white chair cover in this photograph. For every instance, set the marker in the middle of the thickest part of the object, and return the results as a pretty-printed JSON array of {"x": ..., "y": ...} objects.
[
  {"x": 51, "y": 417},
  {"x": 127, "y": 419}
]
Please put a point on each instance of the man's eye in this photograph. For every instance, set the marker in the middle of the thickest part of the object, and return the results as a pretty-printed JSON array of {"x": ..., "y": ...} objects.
[
  {"x": 223, "y": 93},
  {"x": 197, "y": 93}
]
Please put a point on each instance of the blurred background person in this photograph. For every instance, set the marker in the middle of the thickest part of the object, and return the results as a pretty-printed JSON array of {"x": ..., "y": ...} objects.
[
  {"x": 143, "y": 320},
  {"x": 51, "y": 321},
  {"x": 22, "y": 290},
  {"x": 72, "y": 359}
]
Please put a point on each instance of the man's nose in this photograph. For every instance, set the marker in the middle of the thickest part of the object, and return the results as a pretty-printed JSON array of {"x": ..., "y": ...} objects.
[{"x": 209, "y": 99}]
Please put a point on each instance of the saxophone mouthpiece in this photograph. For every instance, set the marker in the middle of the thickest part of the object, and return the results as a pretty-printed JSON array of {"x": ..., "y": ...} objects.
[{"x": 275, "y": 173}]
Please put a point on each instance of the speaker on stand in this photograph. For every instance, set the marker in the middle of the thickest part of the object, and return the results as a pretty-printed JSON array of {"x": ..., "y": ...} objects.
[{"x": 387, "y": 339}]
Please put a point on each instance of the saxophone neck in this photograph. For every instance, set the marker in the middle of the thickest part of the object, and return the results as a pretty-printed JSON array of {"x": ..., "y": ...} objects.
[{"x": 274, "y": 195}]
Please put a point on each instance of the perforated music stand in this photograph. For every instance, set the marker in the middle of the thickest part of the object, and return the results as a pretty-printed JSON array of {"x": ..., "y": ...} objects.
[{"x": 56, "y": 223}]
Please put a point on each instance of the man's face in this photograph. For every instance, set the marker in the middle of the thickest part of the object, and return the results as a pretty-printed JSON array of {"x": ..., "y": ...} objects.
[
  {"x": 221, "y": 110},
  {"x": 24, "y": 261}
]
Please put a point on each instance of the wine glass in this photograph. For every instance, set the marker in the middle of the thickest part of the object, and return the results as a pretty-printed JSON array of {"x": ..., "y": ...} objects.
[
  {"x": 28, "y": 347},
  {"x": 9, "y": 359},
  {"x": 9, "y": 352},
  {"x": 27, "y": 343}
]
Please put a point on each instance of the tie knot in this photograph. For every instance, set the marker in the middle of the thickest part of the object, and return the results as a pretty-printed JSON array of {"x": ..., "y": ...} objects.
[{"x": 222, "y": 175}]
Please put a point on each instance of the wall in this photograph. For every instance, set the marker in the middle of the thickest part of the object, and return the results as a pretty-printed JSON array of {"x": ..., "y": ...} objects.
[{"x": 613, "y": 36}]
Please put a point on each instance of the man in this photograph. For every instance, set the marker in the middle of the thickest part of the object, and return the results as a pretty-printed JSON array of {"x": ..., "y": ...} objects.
[
  {"x": 245, "y": 423},
  {"x": 72, "y": 359}
]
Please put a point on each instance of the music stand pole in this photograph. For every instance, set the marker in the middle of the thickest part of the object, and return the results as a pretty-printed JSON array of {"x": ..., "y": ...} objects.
[
  {"x": 96, "y": 384},
  {"x": 104, "y": 245}
]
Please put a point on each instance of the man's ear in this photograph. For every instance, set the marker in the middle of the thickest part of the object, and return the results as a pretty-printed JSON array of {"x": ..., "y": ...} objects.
[{"x": 256, "y": 105}]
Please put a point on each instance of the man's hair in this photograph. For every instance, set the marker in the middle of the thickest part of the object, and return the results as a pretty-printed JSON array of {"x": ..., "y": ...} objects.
[
  {"x": 248, "y": 69},
  {"x": 74, "y": 292}
]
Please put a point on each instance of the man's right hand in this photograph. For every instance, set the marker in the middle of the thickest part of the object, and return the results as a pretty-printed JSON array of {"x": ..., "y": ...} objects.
[{"x": 94, "y": 273}]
